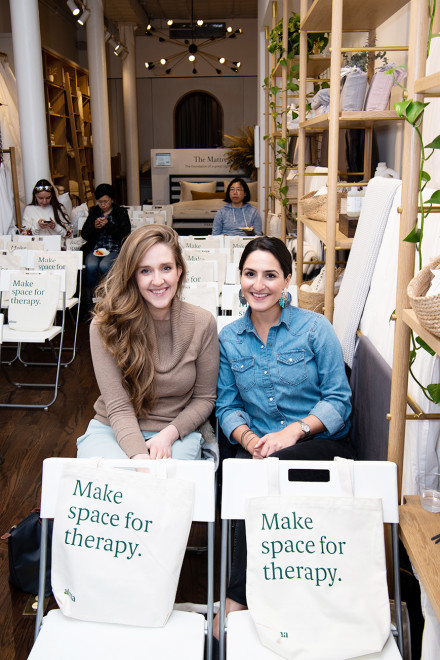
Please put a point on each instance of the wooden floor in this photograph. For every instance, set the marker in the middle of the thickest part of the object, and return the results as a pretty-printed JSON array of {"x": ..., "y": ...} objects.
[{"x": 26, "y": 438}]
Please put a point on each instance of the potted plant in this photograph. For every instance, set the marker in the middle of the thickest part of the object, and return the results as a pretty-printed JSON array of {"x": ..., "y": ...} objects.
[{"x": 241, "y": 152}]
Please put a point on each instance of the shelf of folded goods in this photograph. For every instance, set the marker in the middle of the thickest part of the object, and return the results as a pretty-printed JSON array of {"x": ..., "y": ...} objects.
[
  {"x": 352, "y": 119},
  {"x": 429, "y": 85},
  {"x": 367, "y": 15},
  {"x": 319, "y": 228},
  {"x": 417, "y": 527},
  {"x": 316, "y": 64},
  {"x": 411, "y": 320}
]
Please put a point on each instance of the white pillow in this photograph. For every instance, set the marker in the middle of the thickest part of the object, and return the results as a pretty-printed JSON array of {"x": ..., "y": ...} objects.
[{"x": 187, "y": 186}]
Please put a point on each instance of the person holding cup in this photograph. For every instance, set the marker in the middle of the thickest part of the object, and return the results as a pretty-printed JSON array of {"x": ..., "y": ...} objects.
[{"x": 237, "y": 217}]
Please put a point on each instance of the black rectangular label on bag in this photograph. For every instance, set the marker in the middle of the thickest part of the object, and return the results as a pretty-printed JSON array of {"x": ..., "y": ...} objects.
[{"x": 309, "y": 474}]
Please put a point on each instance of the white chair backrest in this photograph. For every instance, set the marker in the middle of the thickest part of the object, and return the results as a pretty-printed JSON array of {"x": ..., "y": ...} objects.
[
  {"x": 201, "y": 242},
  {"x": 232, "y": 273},
  {"x": 13, "y": 260},
  {"x": 48, "y": 242},
  {"x": 207, "y": 254},
  {"x": 33, "y": 298},
  {"x": 70, "y": 261},
  {"x": 243, "y": 479},
  {"x": 230, "y": 300},
  {"x": 201, "y": 271},
  {"x": 222, "y": 321},
  {"x": 202, "y": 473},
  {"x": 5, "y": 242},
  {"x": 237, "y": 241},
  {"x": 205, "y": 295}
]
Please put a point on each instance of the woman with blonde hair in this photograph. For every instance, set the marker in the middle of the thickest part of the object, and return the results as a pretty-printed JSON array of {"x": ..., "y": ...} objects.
[{"x": 155, "y": 357}]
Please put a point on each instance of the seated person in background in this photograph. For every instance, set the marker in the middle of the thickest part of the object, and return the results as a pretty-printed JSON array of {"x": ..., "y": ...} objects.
[
  {"x": 155, "y": 357},
  {"x": 45, "y": 216},
  {"x": 237, "y": 217},
  {"x": 104, "y": 230},
  {"x": 282, "y": 389}
]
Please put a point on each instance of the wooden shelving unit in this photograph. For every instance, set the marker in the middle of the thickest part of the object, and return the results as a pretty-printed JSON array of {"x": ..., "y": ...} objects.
[
  {"x": 69, "y": 125},
  {"x": 417, "y": 525},
  {"x": 335, "y": 17}
]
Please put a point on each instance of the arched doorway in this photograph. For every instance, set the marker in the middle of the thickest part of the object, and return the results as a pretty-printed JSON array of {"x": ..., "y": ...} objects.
[{"x": 198, "y": 122}]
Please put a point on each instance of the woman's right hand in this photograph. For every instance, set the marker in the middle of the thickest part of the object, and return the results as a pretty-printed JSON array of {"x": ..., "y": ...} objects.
[
  {"x": 141, "y": 457},
  {"x": 100, "y": 222}
]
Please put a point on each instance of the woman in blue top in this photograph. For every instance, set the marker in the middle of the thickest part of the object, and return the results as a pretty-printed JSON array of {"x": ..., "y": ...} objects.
[
  {"x": 237, "y": 217},
  {"x": 282, "y": 389}
]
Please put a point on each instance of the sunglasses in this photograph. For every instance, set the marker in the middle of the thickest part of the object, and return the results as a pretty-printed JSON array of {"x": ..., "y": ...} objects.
[{"x": 41, "y": 188}]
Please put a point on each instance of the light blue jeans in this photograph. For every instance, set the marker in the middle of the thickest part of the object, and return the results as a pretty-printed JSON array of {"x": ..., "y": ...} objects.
[{"x": 99, "y": 440}]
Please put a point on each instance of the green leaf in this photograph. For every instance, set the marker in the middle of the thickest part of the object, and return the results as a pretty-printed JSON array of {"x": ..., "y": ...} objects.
[
  {"x": 401, "y": 106},
  {"x": 283, "y": 62},
  {"x": 425, "y": 176},
  {"x": 412, "y": 356},
  {"x": 434, "y": 391},
  {"x": 435, "y": 198},
  {"x": 414, "y": 111},
  {"x": 274, "y": 90},
  {"x": 435, "y": 144},
  {"x": 413, "y": 236},
  {"x": 284, "y": 190},
  {"x": 424, "y": 345}
]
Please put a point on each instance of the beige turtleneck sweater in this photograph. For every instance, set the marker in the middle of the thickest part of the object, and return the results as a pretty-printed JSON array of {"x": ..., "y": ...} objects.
[{"x": 186, "y": 361}]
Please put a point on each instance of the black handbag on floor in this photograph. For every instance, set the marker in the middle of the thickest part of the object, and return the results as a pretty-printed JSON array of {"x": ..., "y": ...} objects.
[{"x": 24, "y": 554}]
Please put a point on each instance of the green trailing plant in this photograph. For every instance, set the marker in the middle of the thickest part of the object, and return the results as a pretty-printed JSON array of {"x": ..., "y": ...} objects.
[
  {"x": 241, "y": 154},
  {"x": 316, "y": 42},
  {"x": 413, "y": 112}
]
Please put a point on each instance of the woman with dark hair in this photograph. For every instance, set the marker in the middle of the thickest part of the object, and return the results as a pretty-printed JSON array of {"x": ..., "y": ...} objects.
[
  {"x": 155, "y": 357},
  {"x": 104, "y": 230},
  {"x": 282, "y": 389},
  {"x": 237, "y": 217},
  {"x": 45, "y": 216}
]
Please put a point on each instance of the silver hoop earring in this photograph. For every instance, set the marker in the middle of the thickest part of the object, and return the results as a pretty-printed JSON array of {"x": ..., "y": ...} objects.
[
  {"x": 241, "y": 298},
  {"x": 285, "y": 299}
]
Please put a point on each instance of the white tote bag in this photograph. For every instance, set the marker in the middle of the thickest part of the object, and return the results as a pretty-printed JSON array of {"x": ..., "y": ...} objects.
[
  {"x": 33, "y": 300},
  {"x": 119, "y": 540},
  {"x": 316, "y": 574}
]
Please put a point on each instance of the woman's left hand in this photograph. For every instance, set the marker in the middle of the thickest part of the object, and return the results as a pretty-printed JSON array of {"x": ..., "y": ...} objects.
[
  {"x": 160, "y": 445},
  {"x": 272, "y": 442}
]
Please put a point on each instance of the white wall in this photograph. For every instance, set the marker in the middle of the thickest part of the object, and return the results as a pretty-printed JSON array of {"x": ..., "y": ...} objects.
[{"x": 158, "y": 93}]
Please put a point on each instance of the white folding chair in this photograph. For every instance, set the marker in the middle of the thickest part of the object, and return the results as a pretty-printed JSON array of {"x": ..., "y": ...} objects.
[
  {"x": 205, "y": 295},
  {"x": 201, "y": 271},
  {"x": 243, "y": 479},
  {"x": 183, "y": 637},
  {"x": 72, "y": 263},
  {"x": 28, "y": 329}
]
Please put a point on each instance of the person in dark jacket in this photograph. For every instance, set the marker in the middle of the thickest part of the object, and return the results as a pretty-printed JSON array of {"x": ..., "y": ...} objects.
[{"x": 104, "y": 230}]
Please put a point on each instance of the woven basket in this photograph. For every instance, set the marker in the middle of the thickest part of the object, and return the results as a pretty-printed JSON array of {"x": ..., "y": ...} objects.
[
  {"x": 427, "y": 309},
  {"x": 312, "y": 300},
  {"x": 315, "y": 206}
]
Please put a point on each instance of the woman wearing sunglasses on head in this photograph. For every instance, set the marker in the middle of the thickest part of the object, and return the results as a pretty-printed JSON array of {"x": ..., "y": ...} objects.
[{"x": 45, "y": 216}]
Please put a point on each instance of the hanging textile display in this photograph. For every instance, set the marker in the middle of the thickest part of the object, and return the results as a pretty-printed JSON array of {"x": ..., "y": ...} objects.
[{"x": 10, "y": 137}]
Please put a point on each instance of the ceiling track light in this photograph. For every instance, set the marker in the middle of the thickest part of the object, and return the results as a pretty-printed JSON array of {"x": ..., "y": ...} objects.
[
  {"x": 73, "y": 7},
  {"x": 84, "y": 16}
]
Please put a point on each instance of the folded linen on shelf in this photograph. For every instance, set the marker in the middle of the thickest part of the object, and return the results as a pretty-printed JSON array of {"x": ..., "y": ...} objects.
[{"x": 351, "y": 299}]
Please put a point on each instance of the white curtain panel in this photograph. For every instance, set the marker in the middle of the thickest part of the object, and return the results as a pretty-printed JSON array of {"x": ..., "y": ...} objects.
[{"x": 349, "y": 304}]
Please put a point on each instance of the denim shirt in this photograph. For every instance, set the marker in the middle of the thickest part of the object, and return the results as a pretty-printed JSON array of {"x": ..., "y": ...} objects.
[{"x": 299, "y": 372}]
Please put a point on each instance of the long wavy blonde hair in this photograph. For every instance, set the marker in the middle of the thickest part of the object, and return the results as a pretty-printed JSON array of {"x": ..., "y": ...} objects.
[{"x": 123, "y": 317}]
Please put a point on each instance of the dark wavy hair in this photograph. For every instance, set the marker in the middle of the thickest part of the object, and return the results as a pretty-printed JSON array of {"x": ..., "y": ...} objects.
[
  {"x": 269, "y": 244},
  {"x": 59, "y": 212},
  {"x": 242, "y": 182}
]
